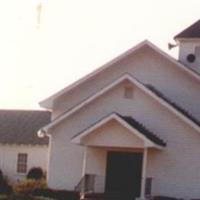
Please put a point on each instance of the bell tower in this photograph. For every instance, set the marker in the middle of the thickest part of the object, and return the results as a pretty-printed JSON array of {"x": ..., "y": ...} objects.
[{"x": 189, "y": 46}]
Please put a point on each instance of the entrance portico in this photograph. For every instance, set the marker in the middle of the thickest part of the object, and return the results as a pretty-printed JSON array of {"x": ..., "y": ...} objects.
[{"x": 116, "y": 150}]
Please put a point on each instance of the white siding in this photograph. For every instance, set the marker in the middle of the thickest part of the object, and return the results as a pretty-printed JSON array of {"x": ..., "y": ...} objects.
[
  {"x": 96, "y": 164},
  {"x": 37, "y": 157},
  {"x": 187, "y": 47},
  {"x": 175, "y": 169},
  {"x": 148, "y": 67},
  {"x": 113, "y": 134}
]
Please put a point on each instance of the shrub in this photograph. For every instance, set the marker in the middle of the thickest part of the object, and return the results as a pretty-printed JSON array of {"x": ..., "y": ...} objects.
[
  {"x": 3, "y": 197},
  {"x": 5, "y": 188},
  {"x": 35, "y": 173},
  {"x": 27, "y": 186},
  {"x": 57, "y": 194}
]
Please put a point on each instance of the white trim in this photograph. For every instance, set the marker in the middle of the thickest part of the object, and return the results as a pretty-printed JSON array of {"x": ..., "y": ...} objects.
[
  {"x": 84, "y": 161},
  {"x": 144, "y": 172},
  {"x": 178, "y": 40},
  {"x": 87, "y": 101},
  {"x": 147, "y": 142},
  {"x": 48, "y": 102},
  {"x": 104, "y": 90},
  {"x": 48, "y": 158}
]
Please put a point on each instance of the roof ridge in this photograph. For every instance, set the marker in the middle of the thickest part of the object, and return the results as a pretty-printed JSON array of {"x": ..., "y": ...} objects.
[
  {"x": 102, "y": 67},
  {"x": 183, "y": 111}
]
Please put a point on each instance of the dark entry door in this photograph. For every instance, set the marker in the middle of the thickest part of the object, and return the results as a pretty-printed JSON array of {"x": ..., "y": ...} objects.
[{"x": 123, "y": 174}]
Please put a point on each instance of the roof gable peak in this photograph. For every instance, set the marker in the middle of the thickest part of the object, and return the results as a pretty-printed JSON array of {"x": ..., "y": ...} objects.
[
  {"x": 164, "y": 102},
  {"x": 48, "y": 102},
  {"x": 138, "y": 129}
]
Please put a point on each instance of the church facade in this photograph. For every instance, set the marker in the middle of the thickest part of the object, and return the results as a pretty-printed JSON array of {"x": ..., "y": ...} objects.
[{"x": 131, "y": 127}]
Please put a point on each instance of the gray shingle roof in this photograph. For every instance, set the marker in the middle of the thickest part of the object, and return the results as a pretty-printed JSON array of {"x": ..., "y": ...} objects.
[
  {"x": 183, "y": 111},
  {"x": 192, "y": 31},
  {"x": 142, "y": 129},
  {"x": 21, "y": 126}
]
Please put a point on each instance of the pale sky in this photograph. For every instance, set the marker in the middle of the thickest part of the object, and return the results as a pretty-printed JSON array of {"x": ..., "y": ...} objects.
[{"x": 74, "y": 38}]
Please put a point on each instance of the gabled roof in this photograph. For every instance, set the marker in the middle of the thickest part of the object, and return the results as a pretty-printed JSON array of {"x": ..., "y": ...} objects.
[
  {"x": 47, "y": 103},
  {"x": 142, "y": 129},
  {"x": 21, "y": 126},
  {"x": 150, "y": 138},
  {"x": 144, "y": 88},
  {"x": 192, "y": 31}
]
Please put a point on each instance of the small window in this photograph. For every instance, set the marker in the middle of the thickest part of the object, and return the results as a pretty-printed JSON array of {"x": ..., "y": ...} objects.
[
  {"x": 22, "y": 163},
  {"x": 128, "y": 92}
]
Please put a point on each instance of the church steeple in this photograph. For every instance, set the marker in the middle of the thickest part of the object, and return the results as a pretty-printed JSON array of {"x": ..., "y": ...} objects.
[{"x": 189, "y": 46}]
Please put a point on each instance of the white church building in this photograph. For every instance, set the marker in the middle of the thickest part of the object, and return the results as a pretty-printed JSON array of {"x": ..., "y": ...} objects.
[{"x": 131, "y": 127}]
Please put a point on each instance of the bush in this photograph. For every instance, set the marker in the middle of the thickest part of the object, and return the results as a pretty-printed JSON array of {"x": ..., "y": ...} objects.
[
  {"x": 3, "y": 197},
  {"x": 27, "y": 186},
  {"x": 35, "y": 173},
  {"x": 57, "y": 194},
  {"x": 5, "y": 188}
]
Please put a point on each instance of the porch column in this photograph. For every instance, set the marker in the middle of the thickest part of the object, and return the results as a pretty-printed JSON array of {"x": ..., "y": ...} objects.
[
  {"x": 82, "y": 192},
  {"x": 144, "y": 169},
  {"x": 84, "y": 161}
]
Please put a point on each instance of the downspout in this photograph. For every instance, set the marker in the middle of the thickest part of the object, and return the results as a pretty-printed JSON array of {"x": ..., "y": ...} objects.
[{"x": 41, "y": 134}]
